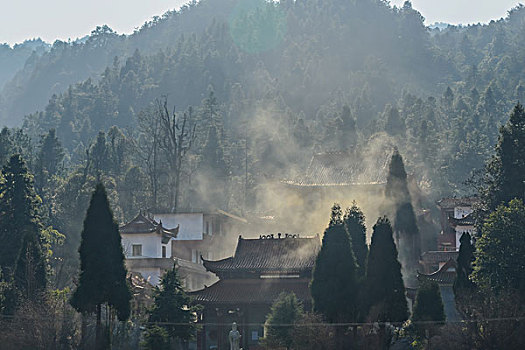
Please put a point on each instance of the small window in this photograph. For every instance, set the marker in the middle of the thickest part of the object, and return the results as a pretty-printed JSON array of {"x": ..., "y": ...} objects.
[
  {"x": 255, "y": 335},
  {"x": 163, "y": 251},
  {"x": 137, "y": 250},
  {"x": 207, "y": 227}
]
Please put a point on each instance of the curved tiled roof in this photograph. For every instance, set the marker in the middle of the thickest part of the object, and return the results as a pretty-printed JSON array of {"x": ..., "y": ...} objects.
[
  {"x": 143, "y": 224},
  {"x": 252, "y": 291},
  {"x": 280, "y": 254},
  {"x": 449, "y": 203},
  {"x": 468, "y": 220},
  {"x": 439, "y": 256},
  {"x": 346, "y": 168},
  {"x": 444, "y": 276},
  {"x": 140, "y": 224}
]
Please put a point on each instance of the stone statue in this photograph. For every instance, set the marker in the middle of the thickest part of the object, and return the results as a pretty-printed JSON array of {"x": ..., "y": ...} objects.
[{"x": 235, "y": 338}]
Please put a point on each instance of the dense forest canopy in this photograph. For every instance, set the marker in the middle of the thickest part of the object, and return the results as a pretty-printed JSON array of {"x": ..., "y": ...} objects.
[
  {"x": 261, "y": 86},
  {"x": 13, "y": 59}
]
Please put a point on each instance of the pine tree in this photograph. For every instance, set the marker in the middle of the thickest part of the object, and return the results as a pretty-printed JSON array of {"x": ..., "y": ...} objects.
[
  {"x": 348, "y": 129},
  {"x": 285, "y": 312},
  {"x": 520, "y": 92},
  {"x": 385, "y": 292},
  {"x": 6, "y": 146},
  {"x": 30, "y": 275},
  {"x": 505, "y": 173},
  {"x": 17, "y": 211},
  {"x": 428, "y": 308},
  {"x": 354, "y": 221},
  {"x": 405, "y": 224},
  {"x": 333, "y": 133},
  {"x": 462, "y": 283},
  {"x": 394, "y": 125},
  {"x": 51, "y": 153},
  {"x": 99, "y": 155},
  {"x": 172, "y": 305},
  {"x": 21, "y": 254},
  {"x": 156, "y": 338},
  {"x": 448, "y": 98},
  {"x": 102, "y": 272},
  {"x": 334, "y": 282},
  {"x": 213, "y": 155},
  {"x": 211, "y": 110},
  {"x": 49, "y": 159}
]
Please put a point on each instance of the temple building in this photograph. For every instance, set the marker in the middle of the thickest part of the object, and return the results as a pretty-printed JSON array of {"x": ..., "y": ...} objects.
[
  {"x": 147, "y": 247},
  {"x": 249, "y": 282},
  {"x": 154, "y": 242},
  {"x": 456, "y": 218},
  {"x": 440, "y": 266},
  {"x": 334, "y": 175}
]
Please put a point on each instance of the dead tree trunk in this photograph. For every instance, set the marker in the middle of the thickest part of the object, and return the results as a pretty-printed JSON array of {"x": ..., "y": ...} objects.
[{"x": 177, "y": 139}]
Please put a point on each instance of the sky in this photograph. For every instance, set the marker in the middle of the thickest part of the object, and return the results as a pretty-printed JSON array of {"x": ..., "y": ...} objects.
[
  {"x": 71, "y": 19},
  {"x": 461, "y": 11},
  {"x": 64, "y": 19}
]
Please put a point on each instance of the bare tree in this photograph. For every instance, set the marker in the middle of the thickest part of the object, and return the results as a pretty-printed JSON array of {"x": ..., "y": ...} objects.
[
  {"x": 178, "y": 135},
  {"x": 164, "y": 141},
  {"x": 149, "y": 149}
]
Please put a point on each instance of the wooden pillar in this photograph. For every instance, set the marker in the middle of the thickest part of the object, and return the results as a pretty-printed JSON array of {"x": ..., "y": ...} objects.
[
  {"x": 201, "y": 334},
  {"x": 245, "y": 335},
  {"x": 220, "y": 336}
]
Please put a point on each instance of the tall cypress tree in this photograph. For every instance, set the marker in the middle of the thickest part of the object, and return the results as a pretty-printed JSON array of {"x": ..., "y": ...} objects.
[
  {"x": 462, "y": 283},
  {"x": 334, "y": 283},
  {"x": 505, "y": 173},
  {"x": 354, "y": 221},
  {"x": 396, "y": 188},
  {"x": 385, "y": 292},
  {"x": 21, "y": 254},
  {"x": 102, "y": 271},
  {"x": 405, "y": 224},
  {"x": 428, "y": 308}
]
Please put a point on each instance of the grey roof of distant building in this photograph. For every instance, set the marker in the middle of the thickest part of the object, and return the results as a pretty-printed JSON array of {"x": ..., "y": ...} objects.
[
  {"x": 452, "y": 202},
  {"x": 439, "y": 256},
  {"x": 142, "y": 224},
  {"x": 345, "y": 168},
  {"x": 278, "y": 254},
  {"x": 444, "y": 276},
  {"x": 252, "y": 291},
  {"x": 468, "y": 220}
]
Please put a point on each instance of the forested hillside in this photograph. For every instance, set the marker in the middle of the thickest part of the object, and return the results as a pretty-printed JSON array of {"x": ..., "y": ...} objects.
[
  {"x": 306, "y": 44},
  {"x": 12, "y": 59},
  {"x": 204, "y": 106}
]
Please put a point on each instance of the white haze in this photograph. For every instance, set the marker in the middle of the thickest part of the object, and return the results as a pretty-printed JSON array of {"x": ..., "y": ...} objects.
[
  {"x": 63, "y": 19},
  {"x": 68, "y": 19},
  {"x": 460, "y": 11}
]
